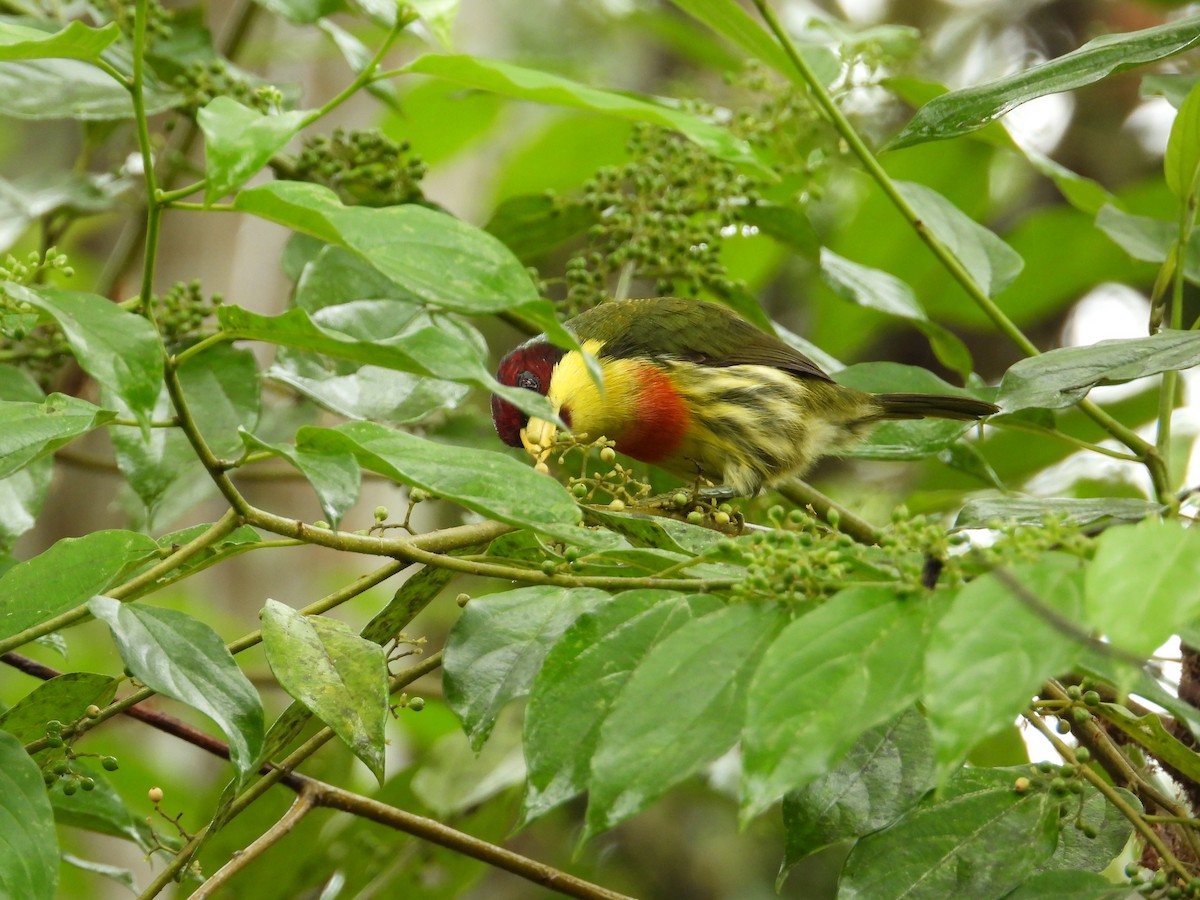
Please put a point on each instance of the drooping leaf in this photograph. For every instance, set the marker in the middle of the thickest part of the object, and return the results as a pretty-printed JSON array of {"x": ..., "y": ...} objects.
[
  {"x": 183, "y": 658},
  {"x": 334, "y": 476},
  {"x": 885, "y": 773},
  {"x": 851, "y": 664},
  {"x": 120, "y": 349},
  {"x": 67, "y": 575},
  {"x": 497, "y": 646},
  {"x": 341, "y": 678},
  {"x": 992, "y": 263},
  {"x": 1141, "y": 585},
  {"x": 886, "y": 293},
  {"x": 582, "y": 677},
  {"x": 543, "y": 87},
  {"x": 30, "y": 431},
  {"x": 238, "y": 141},
  {"x": 29, "y": 864},
  {"x": 682, "y": 708},
  {"x": 1061, "y": 377},
  {"x": 491, "y": 484},
  {"x": 993, "y": 636},
  {"x": 963, "y": 111}
]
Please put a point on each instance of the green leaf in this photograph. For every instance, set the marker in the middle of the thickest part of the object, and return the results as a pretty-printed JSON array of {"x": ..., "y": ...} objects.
[
  {"x": 991, "y": 636},
  {"x": 680, "y": 710},
  {"x": 1061, "y": 377},
  {"x": 334, "y": 476},
  {"x": 734, "y": 23},
  {"x": 22, "y": 496},
  {"x": 982, "y": 512},
  {"x": 341, "y": 678},
  {"x": 29, "y": 431},
  {"x": 582, "y": 677},
  {"x": 432, "y": 256},
  {"x": 439, "y": 16},
  {"x": 963, "y": 111},
  {"x": 76, "y": 41},
  {"x": 1076, "y": 850},
  {"x": 1076, "y": 885},
  {"x": 120, "y": 349},
  {"x": 67, "y": 575},
  {"x": 238, "y": 141},
  {"x": 851, "y": 664},
  {"x": 65, "y": 698},
  {"x": 26, "y": 199},
  {"x": 73, "y": 89},
  {"x": 977, "y": 838},
  {"x": 497, "y": 646},
  {"x": 531, "y": 225},
  {"x": 1149, "y": 240},
  {"x": 1141, "y": 585},
  {"x": 992, "y": 263},
  {"x": 410, "y": 598},
  {"x": 885, "y": 773},
  {"x": 1174, "y": 87},
  {"x": 1182, "y": 160},
  {"x": 123, "y": 877},
  {"x": 186, "y": 660},
  {"x": 224, "y": 393},
  {"x": 100, "y": 810},
  {"x": 888, "y": 294},
  {"x": 425, "y": 350},
  {"x": 911, "y": 439},
  {"x": 458, "y": 778},
  {"x": 491, "y": 484},
  {"x": 542, "y": 87},
  {"x": 29, "y": 863}
]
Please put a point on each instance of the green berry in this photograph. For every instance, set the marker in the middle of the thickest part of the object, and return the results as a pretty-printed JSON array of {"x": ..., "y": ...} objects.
[
  {"x": 1091, "y": 698},
  {"x": 416, "y": 704},
  {"x": 1083, "y": 754},
  {"x": 109, "y": 763},
  {"x": 381, "y": 513},
  {"x": 69, "y": 788},
  {"x": 1080, "y": 715},
  {"x": 1074, "y": 692},
  {"x": 88, "y": 784},
  {"x": 1063, "y": 726},
  {"x": 680, "y": 500},
  {"x": 580, "y": 491}
]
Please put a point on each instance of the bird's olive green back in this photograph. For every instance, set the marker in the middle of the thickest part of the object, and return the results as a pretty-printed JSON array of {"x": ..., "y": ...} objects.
[{"x": 686, "y": 330}]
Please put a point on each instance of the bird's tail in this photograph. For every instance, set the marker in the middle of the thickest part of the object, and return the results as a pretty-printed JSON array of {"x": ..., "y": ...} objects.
[{"x": 937, "y": 406}]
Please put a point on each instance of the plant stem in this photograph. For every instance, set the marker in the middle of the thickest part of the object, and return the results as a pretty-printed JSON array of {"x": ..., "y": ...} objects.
[
  {"x": 804, "y": 494},
  {"x": 1146, "y": 453}
]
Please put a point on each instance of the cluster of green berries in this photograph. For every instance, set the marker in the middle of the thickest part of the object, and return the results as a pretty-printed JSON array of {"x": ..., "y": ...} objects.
[
  {"x": 365, "y": 168},
  {"x": 59, "y": 768},
  {"x": 39, "y": 346},
  {"x": 1158, "y": 884},
  {"x": 35, "y": 266},
  {"x": 1065, "y": 783},
  {"x": 183, "y": 310},
  {"x": 794, "y": 565},
  {"x": 1026, "y": 543},
  {"x": 158, "y": 18},
  {"x": 201, "y": 82},
  {"x": 661, "y": 218},
  {"x": 618, "y": 486}
]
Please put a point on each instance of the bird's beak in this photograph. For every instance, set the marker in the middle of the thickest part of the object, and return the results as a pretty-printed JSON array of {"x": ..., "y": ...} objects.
[{"x": 538, "y": 438}]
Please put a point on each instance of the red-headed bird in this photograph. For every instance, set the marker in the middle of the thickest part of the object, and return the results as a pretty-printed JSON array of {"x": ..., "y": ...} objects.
[{"x": 694, "y": 388}]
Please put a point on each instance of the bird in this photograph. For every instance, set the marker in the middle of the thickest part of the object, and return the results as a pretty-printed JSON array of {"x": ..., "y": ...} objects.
[{"x": 694, "y": 388}]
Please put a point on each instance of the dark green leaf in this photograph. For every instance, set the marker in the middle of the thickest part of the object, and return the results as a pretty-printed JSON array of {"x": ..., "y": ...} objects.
[
  {"x": 491, "y": 484},
  {"x": 29, "y": 431},
  {"x": 977, "y": 838},
  {"x": 992, "y": 263},
  {"x": 888, "y": 294},
  {"x": 531, "y": 225},
  {"x": 545, "y": 88},
  {"x": 991, "y": 636},
  {"x": 682, "y": 708},
  {"x": 120, "y": 349},
  {"x": 1076, "y": 850},
  {"x": 849, "y": 665},
  {"x": 186, "y": 660},
  {"x": 497, "y": 646},
  {"x": 238, "y": 141},
  {"x": 1182, "y": 159},
  {"x": 960, "y": 112},
  {"x": 1076, "y": 885},
  {"x": 428, "y": 350},
  {"x": 410, "y": 598},
  {"x": 341, "y": 678},
  {"x": 1141, "y": 586},
  {"x": 985, "y": 511},
  {"x": 334, "y": 476},
  {"x": 67, "y": 575},
  {"x": 29, "y": 863},
  {"x": 885, "y": 773},
  {"x": 64, "y": 698},
  {"x": 222, "y": 390},
  {"x": 1063, "y": 376},
  {"x": 785, "y": 223},
  {"x": 582, "y": 677}
]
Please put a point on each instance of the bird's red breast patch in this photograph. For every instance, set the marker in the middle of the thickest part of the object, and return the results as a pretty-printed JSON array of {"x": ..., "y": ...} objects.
[{"x": 661, "y": 422}]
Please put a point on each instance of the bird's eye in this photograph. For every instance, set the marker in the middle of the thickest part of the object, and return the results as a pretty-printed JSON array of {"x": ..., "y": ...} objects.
[{"x": 529, "y": 382}]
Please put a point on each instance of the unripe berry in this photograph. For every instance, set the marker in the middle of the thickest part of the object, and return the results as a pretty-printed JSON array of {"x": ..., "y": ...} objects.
[{"x": 416, "y": 704}]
